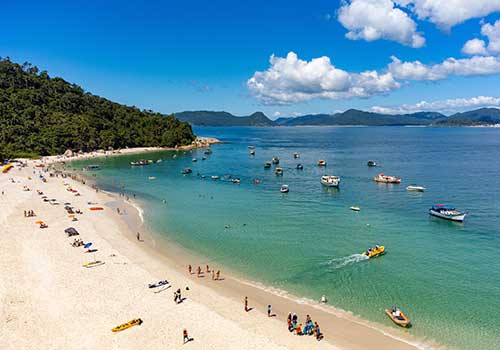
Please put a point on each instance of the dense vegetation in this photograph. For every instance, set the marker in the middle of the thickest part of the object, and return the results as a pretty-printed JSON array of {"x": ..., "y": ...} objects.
[
  {"x": 482, "y": 116},
  {"x": 208, "y": 118},
  {"x": 40, "y": 115}
]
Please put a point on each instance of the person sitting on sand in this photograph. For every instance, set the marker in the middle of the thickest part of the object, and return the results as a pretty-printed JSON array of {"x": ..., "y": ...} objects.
[
  {"x": 318, "y": 333},
  {"x": 185, "y": 336},
  {"x": 298, "y": 330},
  {"x": 290, "y": 325}
]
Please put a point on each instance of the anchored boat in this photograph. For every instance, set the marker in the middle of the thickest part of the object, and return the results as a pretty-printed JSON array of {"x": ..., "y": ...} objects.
[
  {"x": 415, "y": 188},
  {"x": 276, "y": 160},
  {"x": 279, "y": 171},
  {"x": 398, "y": 317},
  {"x": 387, "y": 179},
  {"x": 330, "y": 180},
  {"x": 321, "y": 162},
  {"x": 447, "y": 212},
  {"x": 372, "y": 163},
  {"x": 284, "y": 189},
  {"x": 267, "y": 165}
]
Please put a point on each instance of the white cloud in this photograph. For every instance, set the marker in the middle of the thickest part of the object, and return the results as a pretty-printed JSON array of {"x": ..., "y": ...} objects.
[
  {"x": 277, "y": 114},
  {"x": 291, "y": 79},
  {"x": 447, "y": 13},
  {"x": 378, "y": 19},
  {"x": 476, "y": 65},
  {"x": 475, "y": 47},
  {"x": 493, "y": 34},
  {"x": 450, "y": 105}
]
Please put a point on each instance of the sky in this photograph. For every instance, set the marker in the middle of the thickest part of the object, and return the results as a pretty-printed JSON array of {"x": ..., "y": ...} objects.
[{"x": 285, "y": 58}]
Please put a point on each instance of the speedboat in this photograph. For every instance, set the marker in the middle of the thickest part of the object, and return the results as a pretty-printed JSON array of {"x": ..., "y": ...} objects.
[
  {"x": 214, "y": 177},
  {"x": 398, "y": 317},
  {"x": 300, "y": 167},
  {"x": 236, "y": 180},
  {"x": 330, "y": 180},
  {"x": 296, "y": 155},
  {"x": 371, "y": 163},
  {"x": 276, "y": 160},
  {"x": 267, "y": 165},
  {"x": 321, "y": 162},
  {"x": 387, "y": 179},
  {"x": 355, "y": 208},
  {"x": 252, "y": 152},
  {"x": 284, "y": 189},
  {"x": 415, "y": 188},
  {"x": 447, "y": 212},
  {"x": 374, "y": 252},
  {"x": 279, "y": 171},
  {"x": 186, "y": 171},
  {"x": 194, "y": 160}
]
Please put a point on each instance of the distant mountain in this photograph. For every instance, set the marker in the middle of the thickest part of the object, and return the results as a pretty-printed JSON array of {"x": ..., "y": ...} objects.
[
  {"x": 357, "y": 117},
  {"x": 208, "y": 118},
  {"x": 482, "y": 116}
]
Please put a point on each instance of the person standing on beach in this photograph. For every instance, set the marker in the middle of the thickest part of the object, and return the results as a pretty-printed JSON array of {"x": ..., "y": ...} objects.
[
  {"x": 218, "y": 275},
  {"x": 213, "y": 274},
  {"x": 269, "y": 310},
  {"x": 190, "y": 269},
  {"x": 208, "y": 269},
  {"x": 138, "y": 236},
  {"x": 246, "y": 304},
  {"x": 199, "y": 271}
]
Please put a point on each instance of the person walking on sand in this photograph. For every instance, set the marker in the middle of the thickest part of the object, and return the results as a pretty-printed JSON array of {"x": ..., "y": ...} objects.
[
  {"x": 190, "y": 269},
  {"x": 207, "y": 269},
  {"x": 246, "y": 304},
  {"x": 199, "y": 271}
]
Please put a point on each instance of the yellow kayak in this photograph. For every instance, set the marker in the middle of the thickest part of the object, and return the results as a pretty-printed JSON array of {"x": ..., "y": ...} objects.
[
  {"x": 93, "y": 264},
  {"x": 122, "y": 327},
  {"x": 402, "y": 320},
  {"x": 374, "y": 252}
]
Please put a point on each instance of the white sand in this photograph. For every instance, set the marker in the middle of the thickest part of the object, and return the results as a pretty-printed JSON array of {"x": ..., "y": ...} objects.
[{"x": 49, "y": 301}]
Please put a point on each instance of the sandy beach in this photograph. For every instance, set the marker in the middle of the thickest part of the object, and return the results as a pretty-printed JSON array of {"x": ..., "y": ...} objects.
[{"x": 50, "y": 301}]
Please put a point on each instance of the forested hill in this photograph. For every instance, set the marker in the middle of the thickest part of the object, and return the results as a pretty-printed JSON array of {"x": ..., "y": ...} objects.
[{"x": 40, "y": 115}]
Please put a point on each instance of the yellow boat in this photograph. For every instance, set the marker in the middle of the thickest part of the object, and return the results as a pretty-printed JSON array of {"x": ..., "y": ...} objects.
[
  {"x": 374, "y": 252},
  {"x": 402, "y": 320},
  {"x": 122, "y": 327},
  {"x": 6, "y": 168}
]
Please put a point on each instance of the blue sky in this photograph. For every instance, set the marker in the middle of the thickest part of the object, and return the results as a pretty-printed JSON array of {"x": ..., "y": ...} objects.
[{"x": 172, "y": 56}]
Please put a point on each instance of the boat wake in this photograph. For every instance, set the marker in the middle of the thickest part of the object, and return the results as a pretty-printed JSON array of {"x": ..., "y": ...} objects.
[{"x": 338, "y": 263}]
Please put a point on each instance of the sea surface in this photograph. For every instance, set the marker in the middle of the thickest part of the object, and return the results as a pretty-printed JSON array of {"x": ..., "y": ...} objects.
[{"x": 444, "y": 275}]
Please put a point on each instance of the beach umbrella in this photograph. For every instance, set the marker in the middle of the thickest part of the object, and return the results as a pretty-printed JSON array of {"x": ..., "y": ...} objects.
[{"x": 87, "y": 245}]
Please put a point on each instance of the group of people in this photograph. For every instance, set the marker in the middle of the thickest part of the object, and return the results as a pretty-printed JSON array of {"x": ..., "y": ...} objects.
[
  {"x": 199, "y": 272},
  {"x": 310, "y": 327},
  {"x": 29, "y": 213}
]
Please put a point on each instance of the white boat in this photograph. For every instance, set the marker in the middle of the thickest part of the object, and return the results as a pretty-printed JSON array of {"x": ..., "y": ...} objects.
[
  {"x": 296, "y": 155},
  {"x": 447, "y": 212},
  {"x": 355, "y": 208},
  {"x": 275, "y": 160},
  {"x": 321, "y": 162},
  {"x": 194, "y": 160},
  {"x": 151, "y": 178},
  {"x": 284, "y": 189},
  {"x": 415, "y": 188},
  {"x": 387, "y": 179},
  {"x": 330, "y": 180},
  {"x": 214, "y": 177}
]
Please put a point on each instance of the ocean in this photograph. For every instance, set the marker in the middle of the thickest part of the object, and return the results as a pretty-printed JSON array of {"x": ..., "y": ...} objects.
[{"x": 444, "y": 275}]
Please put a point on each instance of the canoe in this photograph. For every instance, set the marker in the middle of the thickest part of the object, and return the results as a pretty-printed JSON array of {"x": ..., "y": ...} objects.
[
  {"x": 93, "y": 264},
  {"x": 403, "y": 322},
  {"x": 122, "y": 327},
  {"x": 96, "y": 208}
]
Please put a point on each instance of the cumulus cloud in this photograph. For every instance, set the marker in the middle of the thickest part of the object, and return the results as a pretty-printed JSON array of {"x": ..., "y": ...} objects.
[
  {"x": 475, "y": 47},
  {"x": 450, "y": 105},
  {"x": 416, "y": 70},
  {"x": 379, "y": 19},
  {"x": 447, "y": 13},
  {"x": 291, "y": 79}
]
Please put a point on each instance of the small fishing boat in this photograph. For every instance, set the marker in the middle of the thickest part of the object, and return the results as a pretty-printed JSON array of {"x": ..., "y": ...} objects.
[
  {"x": 194, "y": 160},
  {"x": 122, "y": 327},
  {"x": 267, "y": 165},
  {"x": 330, "y": 180},
  {"x": 387, "y": 179},
  {"x": 415, "y": 188},
  {"x": 371, "y": 163},
  {"x": 203, "y": 158},
  {"x": 398, "y": 317},
  {"x": 355, "y": 208},
  {"x": 279, "y": 171},
  {"x": 236, "y": 180},
  {"x": 321, "y": 162},
  {"x": 214, "y": 177},
  {"x": 296, "y": 155},
  {"x": 374, "y": 252},
  {"x": 284, "y": 189},
  {"x": 300, "y": 167},
  {"x": 275, "y": 160},
  {"x": 252, "y": 152},
  {"x": 447, "y": 212},
  {"x": 186, "y": 171}
]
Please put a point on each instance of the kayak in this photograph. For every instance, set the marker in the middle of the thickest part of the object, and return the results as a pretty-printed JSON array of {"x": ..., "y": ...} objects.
[
  {"x": 122, "y": 327},
  {"x": 402, "y": 321},
  {"x": 96, "y": 208},
  {"x": 93, "y": 264},
  {"x": 374, "y": 252},
  {"x": 158, "y": 284}
]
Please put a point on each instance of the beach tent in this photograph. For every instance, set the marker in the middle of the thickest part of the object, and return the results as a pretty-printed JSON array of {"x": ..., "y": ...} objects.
[{"x": 71, "y": 231}]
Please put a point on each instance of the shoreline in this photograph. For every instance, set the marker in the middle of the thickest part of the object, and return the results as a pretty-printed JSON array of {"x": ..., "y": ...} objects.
[
  {"x": 177, "y": 256},
  {"x": 341, "y": 328}
]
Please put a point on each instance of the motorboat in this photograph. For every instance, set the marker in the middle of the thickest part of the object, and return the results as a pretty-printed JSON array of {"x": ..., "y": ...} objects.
[
  {"x": 387, "y": 179},
  {"x": 398, "y": 317},
  {"x": 252, "y": 152},
  {"x": 355, "y": 208},
  {"x": 374, "y": 252},
  {"x": 447, "y": 212},
  {"x": 267, "y": 165},
  {"x": 214, "y": 177},
  {"x": 203, "y": 158},
  {"x": 321, "y": 162},
  {"x": 296, "y": 155},
  {"x": 194, "y": 160},
  {"x": 275, "y": 160},
  {"x": 415, "y": 188},
  {"x": 284, "y": 189},
  {"x": 236, "y": 180},
  {"x": 371, "y": 163},
  {"x": 300, "y": 167},
  {"x": 330, "y": 180},
  {"x": 186, "y": 171},
  {"x": 279, "y": 171},
  {"x": 141, "y": 162}
]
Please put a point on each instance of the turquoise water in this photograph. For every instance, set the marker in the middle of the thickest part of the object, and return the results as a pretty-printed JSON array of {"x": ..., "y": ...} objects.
[{"x": 445, "y": 275}]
